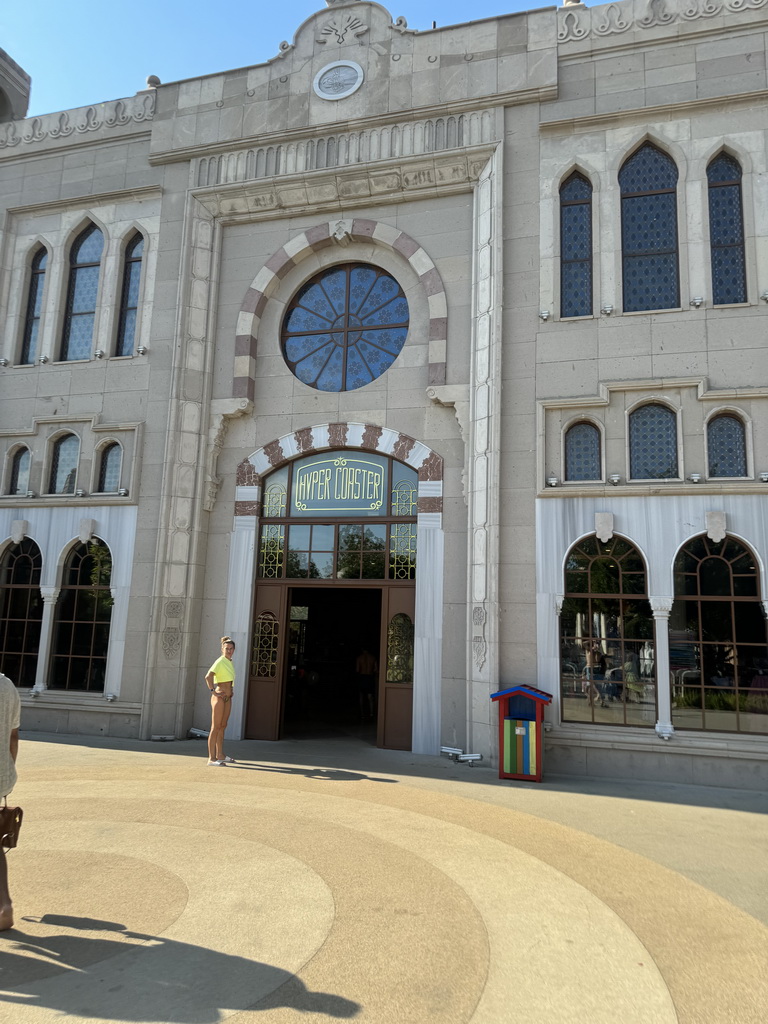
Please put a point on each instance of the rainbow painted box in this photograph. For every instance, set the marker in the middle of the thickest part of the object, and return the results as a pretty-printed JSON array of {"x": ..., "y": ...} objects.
[{"x": 521, "y": 750}]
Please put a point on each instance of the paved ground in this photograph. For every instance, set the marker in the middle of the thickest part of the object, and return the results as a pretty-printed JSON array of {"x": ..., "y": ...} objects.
[{"x": 327, "y": 880}]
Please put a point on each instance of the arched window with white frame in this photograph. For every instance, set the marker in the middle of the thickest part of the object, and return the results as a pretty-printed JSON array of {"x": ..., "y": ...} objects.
[
  {"x": 129, "y": 296},
  {"x": 726, "y": 230},
  {"x": 649, "y": 243},
  {"x": 21, "y": 463},
  {"x": 82, "y": 292},
  {"x": 582, "y": 452},
  {"x": 653, "y": 443},
  {"x": 64, "y": 459},
  {"x": 110, "y": 464},
  {"x": 34, "y": 308},
  {"x": 726, "y": 446}
]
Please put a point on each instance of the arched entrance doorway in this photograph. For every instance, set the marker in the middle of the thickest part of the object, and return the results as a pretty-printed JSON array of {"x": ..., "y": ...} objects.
[
  {"x": 322, "y": 569},
  {"x": 336, "y": 564}
]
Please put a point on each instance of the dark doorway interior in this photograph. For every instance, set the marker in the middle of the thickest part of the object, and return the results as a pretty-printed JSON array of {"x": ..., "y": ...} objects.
[{"x": 329, "y": 628}]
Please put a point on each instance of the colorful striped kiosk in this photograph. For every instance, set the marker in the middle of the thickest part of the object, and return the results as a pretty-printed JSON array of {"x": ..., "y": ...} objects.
[{"x": 521, "y": 751}]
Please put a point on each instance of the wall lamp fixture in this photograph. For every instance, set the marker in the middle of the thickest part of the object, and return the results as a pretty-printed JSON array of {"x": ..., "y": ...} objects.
[
  {"x": 606, "y": 309},
  {"x": 764, "y": 477},
  {"x": 31, "y": 494},
  {"x": 764, "y": 295},
  {"x": 4, "y": 361},
  {"x": 43, "y": 360},
  {"x": 697, "y": 301},
  {"x": 142, "y": 350},
  {"x": 615, "y": 479},
  {"x": 80, "y": 493},
  {"x": 123, "y": 492},
  {"x": 544, "y": 315},
  {"x": 694, "y": 477},
  {"x": 552, "y": 480}
]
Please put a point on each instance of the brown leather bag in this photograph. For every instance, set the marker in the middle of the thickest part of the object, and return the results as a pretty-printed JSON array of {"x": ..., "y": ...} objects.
[{"x": 10, "y": 824}]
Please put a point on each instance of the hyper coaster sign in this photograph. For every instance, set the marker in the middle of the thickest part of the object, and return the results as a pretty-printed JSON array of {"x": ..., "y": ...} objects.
[{"x": 339, "y": 485}]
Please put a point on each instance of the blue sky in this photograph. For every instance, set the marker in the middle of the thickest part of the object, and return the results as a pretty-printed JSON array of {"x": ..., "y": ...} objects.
[{"x": 81, "y": 51}]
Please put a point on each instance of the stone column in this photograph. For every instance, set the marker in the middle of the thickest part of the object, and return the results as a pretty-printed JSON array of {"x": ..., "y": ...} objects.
[
  {"x": 428, "y": 639},
  {"x": 237, "y": 616},
  {"x": 662, "y": 606},
  {"x": 50, "y": 596}
]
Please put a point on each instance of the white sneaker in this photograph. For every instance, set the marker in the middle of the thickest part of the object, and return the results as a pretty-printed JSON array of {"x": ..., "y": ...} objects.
[{"x": 216, "y": 764}]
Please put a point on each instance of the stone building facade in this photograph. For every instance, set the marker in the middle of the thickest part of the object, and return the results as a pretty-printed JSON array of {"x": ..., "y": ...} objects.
[{"x": 447, "y": 345}]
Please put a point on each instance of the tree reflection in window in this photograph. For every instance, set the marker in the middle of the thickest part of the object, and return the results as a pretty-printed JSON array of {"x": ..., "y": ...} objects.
[
  {"x": 606, "y": 636},
  {"x": 82, "y": 621},
  {"x": 718, "y": 647}
]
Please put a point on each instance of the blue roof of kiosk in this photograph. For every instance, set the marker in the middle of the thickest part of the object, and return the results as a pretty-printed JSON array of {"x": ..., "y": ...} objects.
[{"x": 524, "y": 691}]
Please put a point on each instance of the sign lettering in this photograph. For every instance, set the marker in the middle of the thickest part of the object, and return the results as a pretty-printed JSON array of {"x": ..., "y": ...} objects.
[{"x": 339, "y": 485}]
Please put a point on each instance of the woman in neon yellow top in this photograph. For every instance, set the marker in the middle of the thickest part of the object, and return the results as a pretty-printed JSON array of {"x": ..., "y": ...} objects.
[{"x": 220, "y": 679}]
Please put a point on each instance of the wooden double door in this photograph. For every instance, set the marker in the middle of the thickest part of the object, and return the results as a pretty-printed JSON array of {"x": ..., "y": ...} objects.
[{"x": 307, "y": 646}]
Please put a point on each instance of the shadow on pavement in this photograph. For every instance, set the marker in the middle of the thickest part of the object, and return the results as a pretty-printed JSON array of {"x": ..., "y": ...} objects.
[{"x": 130, "y": 976}]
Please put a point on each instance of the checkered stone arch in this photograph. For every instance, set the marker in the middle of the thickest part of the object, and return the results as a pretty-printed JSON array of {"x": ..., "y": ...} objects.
[
  {"x": 267, "y": 281},
  {"x": 335, "y": 436}
]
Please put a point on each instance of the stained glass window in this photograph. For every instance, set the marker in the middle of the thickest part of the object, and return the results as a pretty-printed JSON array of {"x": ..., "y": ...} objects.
[
  {"x": 129, "y": 300},
  {"x": 726, "y": 230},
  {"x": 345, "y": 327},
  {"x": 109, "y": 469},
  {"x": 653, "y": 443},
  {"x": 20, "y": 465},
  {"x": 85, "y": 265},
  {"x": 21, "y": 611},
  {"x": 608, "y": 671},
  {"x": 718, "y": 655},
  {"x": 34, "y": 307},
  {"x": 648, "y": 181},
  {"x": 576, "y": 247},
  {"x": 582, "y": 452},
  {"x": 726, "y": 447},
  {"x": 64, "y": 465}
]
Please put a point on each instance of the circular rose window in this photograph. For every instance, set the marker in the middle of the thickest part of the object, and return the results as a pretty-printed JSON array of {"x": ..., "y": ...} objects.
[{"x": 345, "y": 327}]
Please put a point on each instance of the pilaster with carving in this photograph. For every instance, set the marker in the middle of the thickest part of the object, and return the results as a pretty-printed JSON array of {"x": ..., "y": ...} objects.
[
  {"x": 662, "y": 607},
  {"x": 482, "y": 453},
  {"x": 189, "y": 481}
]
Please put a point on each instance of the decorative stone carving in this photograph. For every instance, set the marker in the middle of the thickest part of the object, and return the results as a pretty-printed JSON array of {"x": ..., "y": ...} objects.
[
  {"x": 478, "y": 615},
  {"x": 456, "y": 397},
  {"x": 171, "y": 641},
  {"x": 559, "y": 598},
  {"x": 284, "y": 48},
  {"x": 571, "y": 27},
  {"x": 342, "y": 234},
  {"x": 716, "y": 526},
  {"x": 479, "y": 648},
  {"x": 657, "y": 14},
  {"x": 222, "y": 410},
  {"x": 79, "y": 121},
  {"x": 19, "y": 530},
  {"x": 765, "y": 608},
  {"x": 50, "y": 595},
  {"x": 661, "y": 606},
  {"x": 87, "y": 530},
  {"x": 613, "y": 21},
  {"x": 604, "y": 526},
  {"x": 343, "y": 25},
  {"x": 401, "y": 25},
  {"x": 174, "y": 609}
]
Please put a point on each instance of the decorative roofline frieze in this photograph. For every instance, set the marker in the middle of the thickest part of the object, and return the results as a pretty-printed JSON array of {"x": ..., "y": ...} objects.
[
  {"x": 576, "y": 22},
  {"x": 344, "y": 149},
  {"x": 115, "y": 114}
]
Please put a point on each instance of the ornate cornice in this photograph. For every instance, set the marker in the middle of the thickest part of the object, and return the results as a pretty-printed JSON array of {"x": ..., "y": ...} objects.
[
  {"x": 577, "y": 23},
  {"x": 80, "y": 121}
]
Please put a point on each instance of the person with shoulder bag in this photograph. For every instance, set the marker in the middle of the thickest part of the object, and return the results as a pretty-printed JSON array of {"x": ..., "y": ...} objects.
[{"x": 10, "y": 817}]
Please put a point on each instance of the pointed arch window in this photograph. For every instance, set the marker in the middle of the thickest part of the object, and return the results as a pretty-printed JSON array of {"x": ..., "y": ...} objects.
[
  {"x": 576, "y": 246},
  {"x": 726, "y": 230},
  {"x": 80, "y": 317},
  {"x": 34, "y": 307},
  {"x": 718, "y": 647},
  {"x": 21, "y": 462},
  {"x": 109, "y": 468},
  {"x": 653, "y": 443},
  {"x": 648, "y": 182},
  {"x": 582, "y": 452},
  {"x": 66, "y": 451},
  {"x": 21, "y": 611},
  {"x": 83, "y": 615},
  {"x": 726, "y": 446},
  {"x": 129, "y": 298},
  {"x": 608, "y": 672}
]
